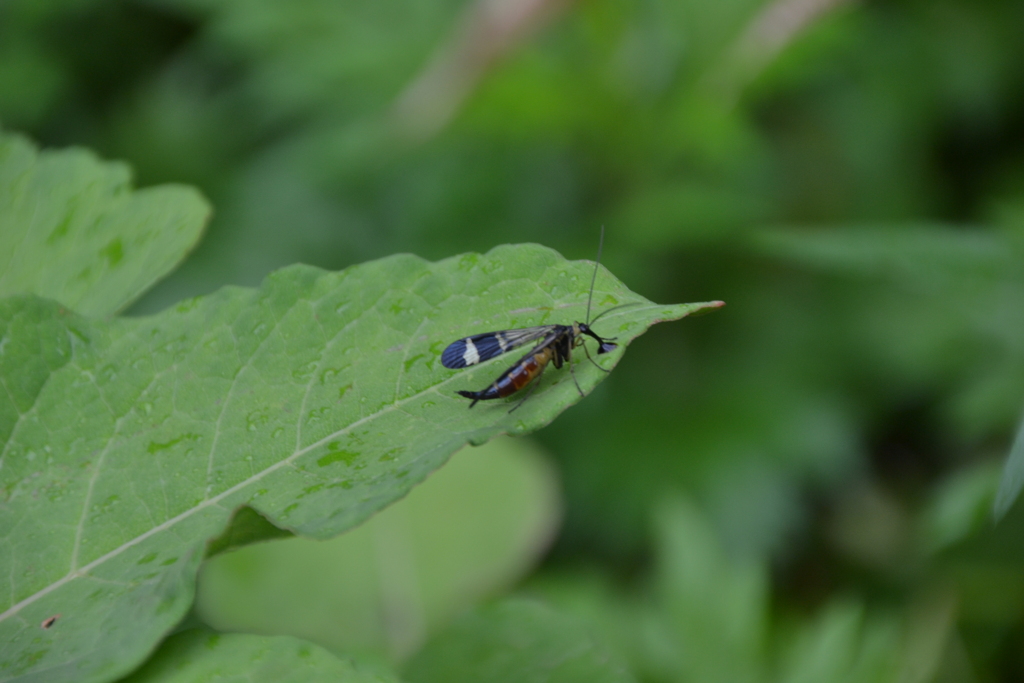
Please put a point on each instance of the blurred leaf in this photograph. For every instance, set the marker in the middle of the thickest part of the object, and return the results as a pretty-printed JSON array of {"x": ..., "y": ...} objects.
[
  {"x": 1013, "y": 476},
  {"x": 591, "y": 595},
  {"x": 929, "y": 633},
  {"x": 200, "y": 655},
  {"x": 715, "y": 609},
  {"x": 630, "y": 623},
  {"x": 871, "y": 526},
  {"x": 320, "y": 56},
  {"x": 841, "y": 644},
  {"x": 316, "y": 400},
  {"x": 513, "y": 641},
  {"x": 985, "y": 570},
  {"x": 961, "y": 505},
  {"x": 470, "y": 530},
  {"x": 847, "y": 643},
  {"x": 686, "y": 212},
  {"x": 919, "y": 254},
  {"x": 29, "y": 78},
  {"x": 805, "y": 57},
  {"x": 72, "y": 229}
]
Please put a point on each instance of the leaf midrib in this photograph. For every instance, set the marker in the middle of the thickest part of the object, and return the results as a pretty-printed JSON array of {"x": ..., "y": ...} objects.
[{"x": 163, "y": 526}]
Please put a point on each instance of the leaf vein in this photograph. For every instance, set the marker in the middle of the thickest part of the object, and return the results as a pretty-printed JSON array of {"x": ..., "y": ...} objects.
[
  {"x": 312, "y": 378},
  {"x": 80, "y": 527},
  {"x": 215, "y": 501},
  {"x": 243, "y": 364}
]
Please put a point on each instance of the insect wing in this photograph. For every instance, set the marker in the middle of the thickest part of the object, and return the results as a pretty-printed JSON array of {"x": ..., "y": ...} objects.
[{"x": 481, "y": 347}]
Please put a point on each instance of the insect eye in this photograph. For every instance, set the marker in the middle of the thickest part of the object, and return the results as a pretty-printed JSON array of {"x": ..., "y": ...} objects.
[{"x": 606, "y": 347}]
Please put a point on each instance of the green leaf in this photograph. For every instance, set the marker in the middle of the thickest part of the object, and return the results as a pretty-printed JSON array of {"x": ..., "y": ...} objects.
[
  {"x": 1013, "y": 476},
  {"x": 73, "y": 230},
  {"x": 960, "y": 506},
  {"x": 934, "y": 255},
  {"x": 201, "y": 655},
  {"x": 471, "y": 530},
  {"x": 842, "y": 644},
  {"x": 621, "y": 618},
  {"x": 845, "y": 642},
  {"x": 715, "y": 608},
  {"x": 516, "y": 640},
  {"x": 316, "y": 400}
]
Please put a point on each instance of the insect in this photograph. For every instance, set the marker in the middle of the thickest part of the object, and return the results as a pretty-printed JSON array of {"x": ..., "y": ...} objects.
[{"x": 554, "y": 344}]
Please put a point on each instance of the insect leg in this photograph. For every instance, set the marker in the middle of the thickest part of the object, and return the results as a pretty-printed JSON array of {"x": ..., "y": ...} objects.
[
  {"x": 592, "y": 360},
  {"x": 572, "y": 373}
]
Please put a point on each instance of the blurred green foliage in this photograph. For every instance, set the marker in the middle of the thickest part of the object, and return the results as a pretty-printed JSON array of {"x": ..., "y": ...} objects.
[
  {"x": 201, "y": 655},
  {"x": 849, "y": 177},
  {"x": 467, "y": 533}
]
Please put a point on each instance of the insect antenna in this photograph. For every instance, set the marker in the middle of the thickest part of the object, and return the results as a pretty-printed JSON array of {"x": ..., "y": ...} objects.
[
  {"x": 590, "y": 300},
  {"x": 593, "y": 279},
  {"x": 614, "y": 308}
]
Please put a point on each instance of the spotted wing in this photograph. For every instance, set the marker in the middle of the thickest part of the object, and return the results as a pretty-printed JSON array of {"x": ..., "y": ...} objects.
[{"x": 481, "y": 347}]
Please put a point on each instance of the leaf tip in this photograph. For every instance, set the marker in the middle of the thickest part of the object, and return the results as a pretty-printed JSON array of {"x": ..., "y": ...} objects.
[{"x": 707, "y": 307}]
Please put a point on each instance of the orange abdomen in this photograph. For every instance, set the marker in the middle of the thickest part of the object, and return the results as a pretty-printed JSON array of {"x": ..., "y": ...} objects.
[{"x": 522, "y": 374}]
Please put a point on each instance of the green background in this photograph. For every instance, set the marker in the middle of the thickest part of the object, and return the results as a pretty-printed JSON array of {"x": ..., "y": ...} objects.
[{"x": 797, "y": 487}]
